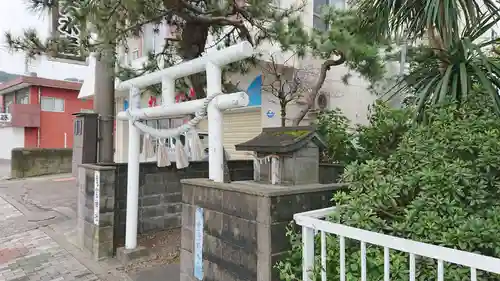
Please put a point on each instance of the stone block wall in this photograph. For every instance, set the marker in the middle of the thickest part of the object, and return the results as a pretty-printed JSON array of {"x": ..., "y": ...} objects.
[
  {"x": 96, "y": 206},
  {"x": 244, "y": 226},
  {"x": 160, "y": 200},
  {"x": 160, "y": 192},
  {"x": 32, "y": 162}
]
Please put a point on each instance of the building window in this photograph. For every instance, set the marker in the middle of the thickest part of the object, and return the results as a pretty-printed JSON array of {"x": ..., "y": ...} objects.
[
  {"x": 23, "y": 96},
  {"x": 318, "y": 23},
  {"x": 135, "y": 54},
  {"x": 8, "y": 99},
  {"x": 52, "y": 104}
]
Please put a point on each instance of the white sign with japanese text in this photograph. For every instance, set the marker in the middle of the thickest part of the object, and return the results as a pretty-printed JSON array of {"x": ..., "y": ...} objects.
[
  {"x": 97, "y": 195},
  {"x": 5, "y": 117}
]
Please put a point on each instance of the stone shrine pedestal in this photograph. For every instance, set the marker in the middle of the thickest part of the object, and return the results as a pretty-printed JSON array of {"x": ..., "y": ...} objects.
[{"x": 239, "y": 231}]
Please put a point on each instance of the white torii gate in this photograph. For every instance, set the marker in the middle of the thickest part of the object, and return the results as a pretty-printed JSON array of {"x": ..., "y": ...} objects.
[{"x": 214, "y": 104}]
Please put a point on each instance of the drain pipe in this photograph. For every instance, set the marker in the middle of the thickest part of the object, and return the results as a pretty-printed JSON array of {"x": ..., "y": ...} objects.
[{"x": 38, "y": 134}]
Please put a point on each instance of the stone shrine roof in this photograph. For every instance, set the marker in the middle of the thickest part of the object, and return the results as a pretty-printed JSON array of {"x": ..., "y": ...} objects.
[{"x": 282, "y": 140}]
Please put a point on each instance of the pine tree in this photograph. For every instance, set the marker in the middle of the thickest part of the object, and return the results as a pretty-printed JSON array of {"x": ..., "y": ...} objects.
[{"x": 228, "y": 21}]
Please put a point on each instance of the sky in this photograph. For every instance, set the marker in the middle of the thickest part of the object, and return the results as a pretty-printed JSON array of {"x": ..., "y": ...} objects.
[{"x": 15, "y": 17}]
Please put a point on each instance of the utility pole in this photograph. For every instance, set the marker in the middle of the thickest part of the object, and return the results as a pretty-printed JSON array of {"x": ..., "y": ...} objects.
[
  {"x": 104, "y": 83},
  {"x": 104, "y": 101}
]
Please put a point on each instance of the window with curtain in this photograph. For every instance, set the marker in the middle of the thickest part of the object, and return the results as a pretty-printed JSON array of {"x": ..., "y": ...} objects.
[
  {"x": 8, "y": 99},
  {"x": 23, "y": 96},
  {"x": 51, "y": 104}
]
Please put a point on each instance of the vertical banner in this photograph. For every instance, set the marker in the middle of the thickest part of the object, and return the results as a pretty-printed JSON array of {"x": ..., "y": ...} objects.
[
  {"x": 64, "y": 26},
  {"x": 198, "y": 244}
]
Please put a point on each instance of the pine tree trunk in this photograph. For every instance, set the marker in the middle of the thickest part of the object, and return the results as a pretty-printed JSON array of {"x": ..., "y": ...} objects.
[
  {"x": 192, "y": 45},
  {"x": 104, "y": 104}
]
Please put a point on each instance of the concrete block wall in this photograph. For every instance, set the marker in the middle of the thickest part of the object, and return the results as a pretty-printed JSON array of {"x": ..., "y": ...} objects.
[
  {"x": 32, "y": 162},
  {"x": 160, "y": 203},
  {"x": 244, "y": 226},
  {"x": 160, "y": 192}
]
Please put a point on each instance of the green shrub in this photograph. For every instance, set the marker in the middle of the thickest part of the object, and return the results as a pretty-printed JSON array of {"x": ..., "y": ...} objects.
[
  {"x": 384, "y": 131},
  {"x": 440, "y": 186},
  {"x": 334, "y": 127},
  {"x": 378, "y": 139}
]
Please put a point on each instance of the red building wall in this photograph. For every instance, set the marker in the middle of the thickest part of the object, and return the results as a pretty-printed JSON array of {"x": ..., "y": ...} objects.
[
  {"x": 30, "y": 137},
  {"x": 53, "y": 125}
]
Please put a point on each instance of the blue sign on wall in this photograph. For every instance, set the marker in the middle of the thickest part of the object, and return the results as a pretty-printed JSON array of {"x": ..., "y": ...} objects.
[
  {"x": 254, "y": 91},
  {"x": 125, "y": 105},
  {"x": 198, "y": 243}
]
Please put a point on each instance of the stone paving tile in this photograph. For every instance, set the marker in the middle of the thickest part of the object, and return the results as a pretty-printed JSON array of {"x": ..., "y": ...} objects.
[
  {"x": 12, "y": 221},
  {"x": 16, "y": 225},
  {"x": 7, "y": 211},
  {"x": 34, "y": 256}
]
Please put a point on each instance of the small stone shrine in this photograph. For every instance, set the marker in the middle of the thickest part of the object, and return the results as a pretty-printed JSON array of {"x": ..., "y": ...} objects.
[
  {"x": 279, "y": 151},
  {"x": 237, "y": 231}
]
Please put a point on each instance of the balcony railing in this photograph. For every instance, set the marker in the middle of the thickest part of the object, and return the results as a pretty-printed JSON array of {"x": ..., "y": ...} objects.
[
  {"x": 313, "y": 222},
  {"x": 24, "y": 115}
]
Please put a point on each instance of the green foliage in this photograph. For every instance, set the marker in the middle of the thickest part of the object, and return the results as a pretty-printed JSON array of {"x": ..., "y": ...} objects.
[
  {"x": 454, "y": 54},
  {"x": 5, "y": 76},
  {"x": 449, "y": 75},
  {"x": 440, "y": 186},
  {"x": 334, "y": 128},
  {"x": 343, "y": 37},
  {"x": 384, "y": 131},
  {"x": 227, "y": 22},
  {"x": 378, "y": 139}
]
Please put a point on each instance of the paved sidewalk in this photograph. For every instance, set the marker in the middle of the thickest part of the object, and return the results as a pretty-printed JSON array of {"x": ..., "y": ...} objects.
[
  {"x": 38, "y": 237},
  {"x": 35, "y": 256},
  {"x": 35, "y": 217},
  {"x": 32, "y": 255}
]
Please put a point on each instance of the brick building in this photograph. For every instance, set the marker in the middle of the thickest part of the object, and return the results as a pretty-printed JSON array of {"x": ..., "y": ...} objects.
[{"x": 38, "y": 113}]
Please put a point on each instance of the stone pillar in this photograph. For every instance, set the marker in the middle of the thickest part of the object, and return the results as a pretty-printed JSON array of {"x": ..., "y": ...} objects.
[
  {"x": 84, "y": 140},
  {"x": 96, "y": 204},
  {"x": 242, "y": 226}
]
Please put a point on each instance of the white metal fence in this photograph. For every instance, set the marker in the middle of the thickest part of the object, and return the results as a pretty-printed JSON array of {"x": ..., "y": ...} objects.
[{"x": 313, "y": 222}]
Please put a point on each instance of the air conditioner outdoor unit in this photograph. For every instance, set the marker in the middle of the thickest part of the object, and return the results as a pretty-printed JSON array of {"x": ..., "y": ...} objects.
[
  {"x": 322, "y": 101},
  {"x": 320, "y": 104}
]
